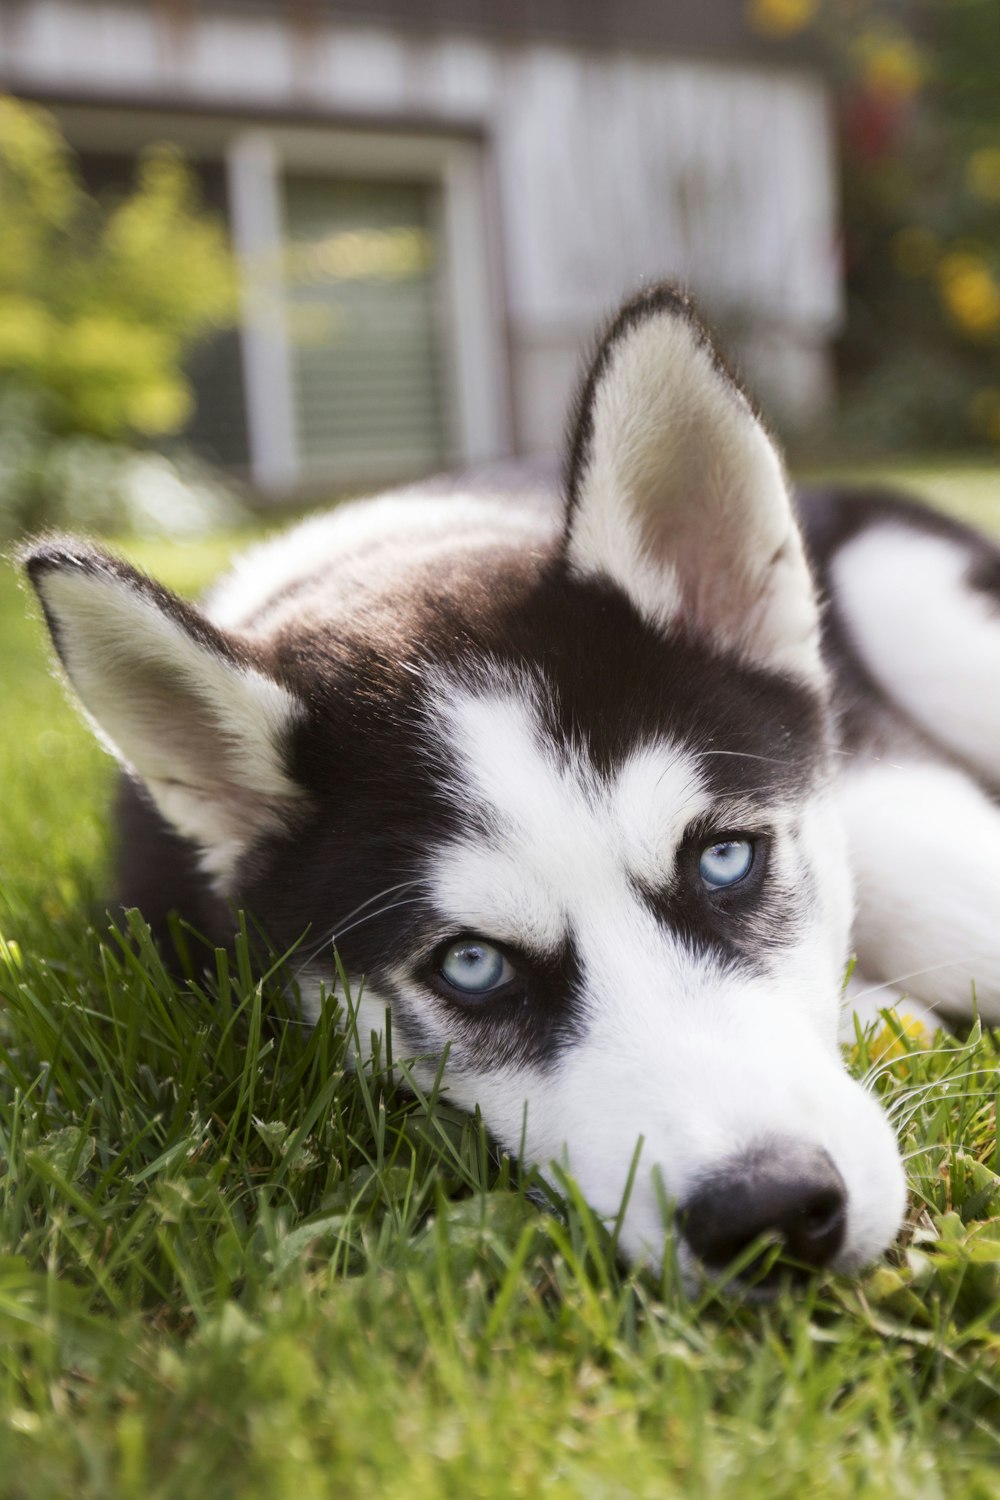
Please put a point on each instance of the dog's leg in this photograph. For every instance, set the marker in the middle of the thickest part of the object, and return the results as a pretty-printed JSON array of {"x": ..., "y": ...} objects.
[
  {"x": 923, "y": 611},
  {"x": 925, "y": 848}
]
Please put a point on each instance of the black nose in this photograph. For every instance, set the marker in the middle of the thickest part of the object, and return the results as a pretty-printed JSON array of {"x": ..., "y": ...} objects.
[{"x": 792, "y": 1194}]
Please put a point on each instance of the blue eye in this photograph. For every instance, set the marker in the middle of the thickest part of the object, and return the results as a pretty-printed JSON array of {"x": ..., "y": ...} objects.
[
  {"x": 475, "y": 967},
  {"x": 725, "y": 863}
]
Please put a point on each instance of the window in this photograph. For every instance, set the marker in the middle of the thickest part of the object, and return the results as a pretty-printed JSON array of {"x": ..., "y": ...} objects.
[{"x": 365, "y": 327}]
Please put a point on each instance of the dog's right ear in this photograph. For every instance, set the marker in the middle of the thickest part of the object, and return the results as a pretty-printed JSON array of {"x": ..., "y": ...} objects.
[
  {"x": 678, "y": 496},
  {"x": 186, "y": 708}
]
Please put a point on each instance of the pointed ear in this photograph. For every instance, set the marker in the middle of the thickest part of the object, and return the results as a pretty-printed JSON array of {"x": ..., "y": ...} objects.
[
  {"x": 185, "y": 707},
  {"x": 678, "y": 495}
]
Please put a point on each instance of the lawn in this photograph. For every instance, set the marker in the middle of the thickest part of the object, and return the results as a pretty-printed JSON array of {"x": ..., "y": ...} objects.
[{"x": 228, "y": 1268}]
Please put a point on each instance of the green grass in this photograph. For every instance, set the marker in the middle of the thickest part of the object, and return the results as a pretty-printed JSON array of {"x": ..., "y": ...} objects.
[
  {"x": 229, "y": 1267},
  {"x": 969, "y": 487}
]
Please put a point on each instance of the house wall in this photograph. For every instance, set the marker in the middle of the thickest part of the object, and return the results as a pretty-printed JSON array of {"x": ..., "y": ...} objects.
[{"x": 600, "y": 168}]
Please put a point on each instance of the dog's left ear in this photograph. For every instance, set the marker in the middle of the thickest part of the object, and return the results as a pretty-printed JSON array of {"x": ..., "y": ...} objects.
[
  {"x": 678, "y": 495},
  {"x": 194, "y": 713}
]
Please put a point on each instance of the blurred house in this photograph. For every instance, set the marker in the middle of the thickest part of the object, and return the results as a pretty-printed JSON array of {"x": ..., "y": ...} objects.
[{"x": 437, "y": 200}]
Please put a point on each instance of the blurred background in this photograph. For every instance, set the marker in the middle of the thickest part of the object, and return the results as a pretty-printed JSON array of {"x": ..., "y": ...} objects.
[{"x": 264, "y": 251}]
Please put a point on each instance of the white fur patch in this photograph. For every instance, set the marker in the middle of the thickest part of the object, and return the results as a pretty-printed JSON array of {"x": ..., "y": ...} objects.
[
  {"x": 683, "y": 503},
  {"x": 371, "y": 545},
  {"x": 931, "y": 642},
  {"x": 560, "y": 840},
  {"x": 925, "y": 848}
]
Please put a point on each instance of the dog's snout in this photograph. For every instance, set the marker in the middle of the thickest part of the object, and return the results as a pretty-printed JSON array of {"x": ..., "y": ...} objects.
[{"x": 793, "y": 1195}]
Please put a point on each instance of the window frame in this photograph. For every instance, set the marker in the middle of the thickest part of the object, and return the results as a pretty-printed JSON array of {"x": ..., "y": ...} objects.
[{"x": 256, "y": 154}]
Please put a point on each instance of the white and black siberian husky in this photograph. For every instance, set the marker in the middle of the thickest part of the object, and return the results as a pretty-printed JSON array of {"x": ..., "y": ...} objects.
[{"x": 586, "y": 794}]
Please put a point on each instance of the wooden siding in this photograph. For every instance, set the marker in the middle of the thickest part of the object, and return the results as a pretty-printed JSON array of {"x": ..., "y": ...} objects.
[
  {"x": 713, "y": 28},
  {"x": 612, "y": 165}
]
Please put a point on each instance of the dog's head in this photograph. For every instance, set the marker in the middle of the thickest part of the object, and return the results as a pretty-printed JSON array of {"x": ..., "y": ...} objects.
[{"x": 561, "y": 794}]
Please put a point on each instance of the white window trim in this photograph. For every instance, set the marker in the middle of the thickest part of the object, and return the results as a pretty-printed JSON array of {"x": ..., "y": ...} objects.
[
  {"x": 256, "y": 156},
  {"x": 253, "y": 169},
  {"x": 477, "y": 384}
]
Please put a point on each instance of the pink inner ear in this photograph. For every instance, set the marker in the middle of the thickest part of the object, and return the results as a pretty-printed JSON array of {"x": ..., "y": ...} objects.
[{"x": 721, "y": 572}]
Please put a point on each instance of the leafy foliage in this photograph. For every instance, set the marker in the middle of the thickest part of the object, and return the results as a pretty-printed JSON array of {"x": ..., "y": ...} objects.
[
  {"x": 919, "y": 112},
  {"x": 99, "y": 305}
]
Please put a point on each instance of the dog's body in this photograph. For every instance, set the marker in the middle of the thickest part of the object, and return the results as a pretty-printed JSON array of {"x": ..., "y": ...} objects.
[{"x": 560, "y": 782}]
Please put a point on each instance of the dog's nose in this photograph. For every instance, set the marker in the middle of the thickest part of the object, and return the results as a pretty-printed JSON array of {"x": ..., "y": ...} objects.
[{"x": 790, "y": 1193}]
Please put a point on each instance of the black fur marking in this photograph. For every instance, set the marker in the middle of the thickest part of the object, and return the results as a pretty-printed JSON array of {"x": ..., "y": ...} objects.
[
  {"x": 158, "y": 871},
  {"x": 649, "y": 303},
  {"x": 984, "y": 571},
  {"x": 530, "y": 1022},
  {"x": 618, "y": 683},
  {"x": 529, "y": 1025},
  {"x": 744, "y": 924}
]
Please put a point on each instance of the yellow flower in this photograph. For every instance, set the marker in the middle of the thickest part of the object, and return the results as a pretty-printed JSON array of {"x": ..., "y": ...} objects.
[
  {"x": 891, "y": 64},
  {"x": 780, "y": 17},
  {"x": 982, "y": 173},
  {"x": 886, "y": 1045},
  {"x": 970, "y": 292}
]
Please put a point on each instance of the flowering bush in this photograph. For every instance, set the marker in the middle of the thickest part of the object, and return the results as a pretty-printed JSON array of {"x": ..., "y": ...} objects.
[{"x": 919, "y": 111}]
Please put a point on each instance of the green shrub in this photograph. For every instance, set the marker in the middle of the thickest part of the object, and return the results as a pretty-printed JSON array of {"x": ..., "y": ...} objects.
[
  {"x": 99, "y": 306},
  {"x": 919, "y": 114}
]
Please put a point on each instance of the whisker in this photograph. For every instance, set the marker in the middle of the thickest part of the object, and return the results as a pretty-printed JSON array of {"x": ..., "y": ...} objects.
[
  {"x": 926, "y": 1148},
  {"x": 334, "y": 937},
  {"x": 914, "y": 1091},
  {"x": 338, "y": 925},
  {"x": 874, "y": 1072},
  {"x": 951, "y": 963},
  {"x": 317, "y": 947},
  {"x": 746, "y": 755},
  {"x": 379, "y": 896},
  {"x": 903, "y": 1121},
  {"x": 868, "y": 758},
  {"x": 370, "y": 916},
  {"x": 923, "y": 1150},
  {"x": 914, "y": 1096}
]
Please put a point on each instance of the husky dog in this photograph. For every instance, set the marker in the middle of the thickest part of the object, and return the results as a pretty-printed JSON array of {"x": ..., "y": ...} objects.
[{"x": 578, "y": 791}]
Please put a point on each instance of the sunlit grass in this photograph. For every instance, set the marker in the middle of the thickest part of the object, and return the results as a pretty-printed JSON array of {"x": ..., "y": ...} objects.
[{"x": 968, "y": 488}]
